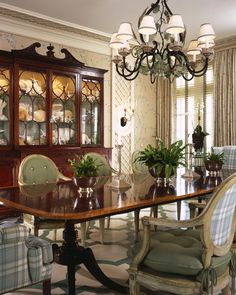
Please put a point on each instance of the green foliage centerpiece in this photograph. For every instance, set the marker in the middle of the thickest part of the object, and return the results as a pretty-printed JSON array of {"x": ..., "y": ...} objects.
[
  {"x": 162, "y": 161},
  {"x": 85, "y": 172},
  {"x": 213, "y": 163}
]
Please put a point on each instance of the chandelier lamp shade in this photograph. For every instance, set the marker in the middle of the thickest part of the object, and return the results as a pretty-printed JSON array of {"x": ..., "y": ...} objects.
[{"x": 159, "y": 50}]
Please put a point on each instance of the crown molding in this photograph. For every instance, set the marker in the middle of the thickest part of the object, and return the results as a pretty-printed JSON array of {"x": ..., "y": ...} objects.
[
  {"x": 225, "y": 43},
  {"x": 32, "y": 26}
]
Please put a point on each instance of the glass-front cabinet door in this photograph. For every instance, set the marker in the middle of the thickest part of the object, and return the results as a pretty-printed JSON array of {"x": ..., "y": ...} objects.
[
  {"x": 90, "y": 112},
  {"x": 63, "y": 114},
  {"x": 32, "y": 108},
  {"x": 4, "y": 106}
]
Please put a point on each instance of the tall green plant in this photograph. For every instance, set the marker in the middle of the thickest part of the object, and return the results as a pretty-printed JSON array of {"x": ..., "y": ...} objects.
[{"x": 164, "y": 160}]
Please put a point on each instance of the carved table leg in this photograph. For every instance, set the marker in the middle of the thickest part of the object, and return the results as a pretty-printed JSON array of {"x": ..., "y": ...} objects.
[{"x": 71, "y": 254}]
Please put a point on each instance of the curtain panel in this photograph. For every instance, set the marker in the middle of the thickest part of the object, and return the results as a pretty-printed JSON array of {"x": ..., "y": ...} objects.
[
  {"x": 164, "y": 110},
  {"x": 224, "y": 97}
]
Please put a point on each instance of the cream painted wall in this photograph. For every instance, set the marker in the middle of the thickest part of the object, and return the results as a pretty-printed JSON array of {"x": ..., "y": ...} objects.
[{"x": 145, "y": 112}]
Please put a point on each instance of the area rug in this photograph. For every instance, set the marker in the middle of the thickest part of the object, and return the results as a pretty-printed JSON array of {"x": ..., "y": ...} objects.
[{"x": 112, "y": 256}]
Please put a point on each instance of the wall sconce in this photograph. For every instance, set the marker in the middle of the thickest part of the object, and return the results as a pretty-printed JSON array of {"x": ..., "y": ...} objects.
[{"x": 125, "y": 119}]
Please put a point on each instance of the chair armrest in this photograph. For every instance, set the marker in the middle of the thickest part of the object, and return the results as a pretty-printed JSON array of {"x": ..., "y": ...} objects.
[
  {"x": 63, "y": 177},
  {"x": 35, "y": 242},
  {"x": 173, "y": 223}
]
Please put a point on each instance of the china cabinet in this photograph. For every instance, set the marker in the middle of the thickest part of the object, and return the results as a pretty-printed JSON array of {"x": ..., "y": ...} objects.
[{"x": 49, "y": 105}]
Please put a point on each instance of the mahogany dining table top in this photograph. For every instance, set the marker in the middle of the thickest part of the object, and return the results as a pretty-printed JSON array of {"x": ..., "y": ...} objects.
[{"x": 63, "y": 201}]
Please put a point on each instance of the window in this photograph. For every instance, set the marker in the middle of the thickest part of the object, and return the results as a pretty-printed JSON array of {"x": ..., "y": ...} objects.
[{"x": 193, "y": 105}]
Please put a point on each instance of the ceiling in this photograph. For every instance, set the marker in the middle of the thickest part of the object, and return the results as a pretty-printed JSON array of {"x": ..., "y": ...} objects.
[{"x": 106, "y": 15}]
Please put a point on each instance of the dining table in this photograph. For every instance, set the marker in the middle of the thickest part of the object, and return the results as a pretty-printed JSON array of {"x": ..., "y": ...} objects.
[{"x": 64, "y": 201}]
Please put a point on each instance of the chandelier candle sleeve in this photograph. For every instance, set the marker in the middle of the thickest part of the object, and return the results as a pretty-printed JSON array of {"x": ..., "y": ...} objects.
[{"x": 158, "y": 52}]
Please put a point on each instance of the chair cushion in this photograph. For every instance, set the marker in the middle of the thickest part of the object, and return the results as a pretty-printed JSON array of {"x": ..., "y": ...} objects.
[
  {"x": 179, "y": 252},
  {"x": 11, "y": 233}
]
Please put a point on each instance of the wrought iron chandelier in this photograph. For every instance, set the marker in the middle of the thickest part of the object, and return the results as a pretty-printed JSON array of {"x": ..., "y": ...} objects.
[{"x": 159, "y": 52}]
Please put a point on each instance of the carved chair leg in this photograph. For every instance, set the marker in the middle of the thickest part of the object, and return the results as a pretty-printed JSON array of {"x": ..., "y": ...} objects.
[
  {"x": 134, "y": 287},
  {"x": 226, "y": 291},
  {"x": 36, "y": 231},
  {"x": 108, "y": 221},
  {"x": 154, "y": 212},
  {"x": 83, "y": 233},
  {"x": 136, "y": 224},
  {"x": 232, "y": 285},
  {"x": 47, "y": 287},
  {"x": 102, "y": 229},
  {"x": 178, "y": 210},
  {"x": 54, "y": 235}
]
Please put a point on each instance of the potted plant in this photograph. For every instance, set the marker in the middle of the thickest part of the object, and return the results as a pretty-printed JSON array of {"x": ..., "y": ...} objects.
[
  {"x": 213, "y": 162},
  {"x": 163, "y": 161},
  {"x": 85, "y": 172}
]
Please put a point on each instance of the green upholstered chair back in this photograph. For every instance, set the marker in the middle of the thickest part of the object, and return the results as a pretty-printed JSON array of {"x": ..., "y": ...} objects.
[
  {"x": 37, "y": 169},
  {"x": 104, "y": 168},
  {"x": 138, "y": 167}
]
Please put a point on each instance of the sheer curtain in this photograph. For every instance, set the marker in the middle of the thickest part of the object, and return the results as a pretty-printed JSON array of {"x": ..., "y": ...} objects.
[{"x": 225, "y": 97}]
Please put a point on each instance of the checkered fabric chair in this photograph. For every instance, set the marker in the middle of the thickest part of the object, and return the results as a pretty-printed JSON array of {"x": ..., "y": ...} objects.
[
  {"x": 24, "y": 259},
  {"x": 187, "y": 261},
  {"x": 229, "y": 156},
  {"x": 229, "y": 163}
]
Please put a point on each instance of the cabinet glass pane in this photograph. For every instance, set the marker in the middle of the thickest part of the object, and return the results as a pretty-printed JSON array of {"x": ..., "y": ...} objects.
[
  {"x": 90, "y": 111},
  {"x": 32, "y": 108},
  {"x": 4, "y": 106},
  {"x": 63, "y": 117}
]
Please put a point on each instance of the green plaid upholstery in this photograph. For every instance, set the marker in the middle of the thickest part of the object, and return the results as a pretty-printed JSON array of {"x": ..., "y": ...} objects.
[
  {"x": 38, "y": 270},
  {"x": 230, "y": 157},
  {"x": 24, "y": 260},
  {"x": 217, "y": 149},
  {"x": 222, "y": 217},
  {"x": 12, "y": 233},
  {"x": 45, "y": 246}
]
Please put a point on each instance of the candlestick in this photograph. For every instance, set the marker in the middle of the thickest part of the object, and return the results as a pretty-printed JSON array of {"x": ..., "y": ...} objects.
[{"x": 118, "y": 183}]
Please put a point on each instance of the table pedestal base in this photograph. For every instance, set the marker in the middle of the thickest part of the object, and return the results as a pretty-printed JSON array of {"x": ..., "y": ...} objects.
[{"x": 72, "y": 254}]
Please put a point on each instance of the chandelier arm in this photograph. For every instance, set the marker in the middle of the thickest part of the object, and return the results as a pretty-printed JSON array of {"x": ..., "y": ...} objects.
[
  {"x": 169, "y": 54},
  {"x": 159, "y": 29},
  {"x": 132, "y": 71},
  {"x": 167, "y": 7},
  {"x": 127, "y": 77},
  {"x": 137, "y": 63},
  {"x": 152, "y": 78},
  {"x": 196, "y": 73},
  {"x": 150, "y": 67}
]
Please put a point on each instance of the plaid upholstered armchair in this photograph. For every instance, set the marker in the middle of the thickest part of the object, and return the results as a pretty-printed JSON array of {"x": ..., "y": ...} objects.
[
  {"x": 229, "y": 163},
  {"x": 187, "y": 261},
  {"x": 24, "y": 259}
]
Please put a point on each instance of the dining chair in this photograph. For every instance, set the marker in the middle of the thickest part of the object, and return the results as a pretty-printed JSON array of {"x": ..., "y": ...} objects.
[
  {"x": 183, "y": 260},
  {"x": 24, "y": 259},
  {"x": 140, "y": 168},
  {"x": 229, "y": 163},
  {"x": 39, "y": 169},
  {"x": 104, "y": 169}
]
